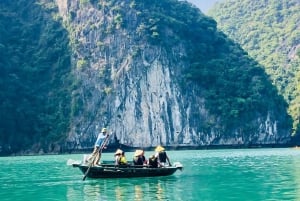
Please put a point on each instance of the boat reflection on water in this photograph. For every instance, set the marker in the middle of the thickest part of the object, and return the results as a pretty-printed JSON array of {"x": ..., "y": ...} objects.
[
  {"x": 156, "y": 191},
  {"x": 139, "y": 189},
  {"x": 119, "y": 193},
  {"x": 95, "y": 191},
  {"x": 160, "y": 192},
  {"x": 138, "y": 193}
]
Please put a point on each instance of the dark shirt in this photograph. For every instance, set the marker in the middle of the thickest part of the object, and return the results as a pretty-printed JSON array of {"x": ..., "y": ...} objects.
[
  {"x": 153, "y": 162},
  {"x": 162, "y": 157},
  {"x": 139, "y": 160}
]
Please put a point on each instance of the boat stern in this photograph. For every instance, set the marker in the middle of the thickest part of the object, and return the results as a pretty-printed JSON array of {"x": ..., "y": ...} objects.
[{"x": 178, "y": 165}]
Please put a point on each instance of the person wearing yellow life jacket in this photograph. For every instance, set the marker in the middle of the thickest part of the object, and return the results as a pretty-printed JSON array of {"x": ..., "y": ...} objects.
[
  {"x": 123, "y": 160},
  {"x": 120, "y": 158}
]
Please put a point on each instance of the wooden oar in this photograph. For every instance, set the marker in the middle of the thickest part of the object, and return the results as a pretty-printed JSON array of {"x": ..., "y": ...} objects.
[{"x": 94, "y": 157}]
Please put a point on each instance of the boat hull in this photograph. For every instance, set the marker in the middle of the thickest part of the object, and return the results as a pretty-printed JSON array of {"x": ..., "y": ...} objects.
[{"x": 107, "y": 171}]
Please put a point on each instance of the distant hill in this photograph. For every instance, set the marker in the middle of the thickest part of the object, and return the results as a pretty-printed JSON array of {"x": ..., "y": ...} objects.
[{"x": 270, "y": 32}]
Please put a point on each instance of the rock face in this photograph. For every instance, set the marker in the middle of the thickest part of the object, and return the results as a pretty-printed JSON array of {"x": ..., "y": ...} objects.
[{"x": 134, "y": 87}]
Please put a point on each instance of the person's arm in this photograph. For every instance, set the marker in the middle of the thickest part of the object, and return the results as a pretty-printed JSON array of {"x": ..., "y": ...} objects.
[
  {"x": 169, "y": 161},
  {"x": 144, "y": 160},
  {"x": 117, "y": 160},
  {"x": 104, "y": 141},
  {"x": 158, "y": 159}
]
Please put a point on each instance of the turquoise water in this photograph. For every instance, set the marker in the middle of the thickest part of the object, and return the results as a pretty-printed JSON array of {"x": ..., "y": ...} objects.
[{"x": 237, "y": 174}]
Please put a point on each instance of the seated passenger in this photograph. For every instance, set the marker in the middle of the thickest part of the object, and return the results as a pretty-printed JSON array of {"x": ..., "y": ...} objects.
[
  {"x": 139, "y": 158},
  {"x": 118, "y": 156},
  {"x": 162, "y": 157},
  {"x": 152, "y": 162},
  {"x": 123, "y": 160}
]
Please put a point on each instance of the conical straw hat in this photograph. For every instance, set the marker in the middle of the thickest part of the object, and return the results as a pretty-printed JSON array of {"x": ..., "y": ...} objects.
[
  {"x": 159, "y": 148},
  {"x": 119, "y": 151},
  {"x": 138, "y": 152}
]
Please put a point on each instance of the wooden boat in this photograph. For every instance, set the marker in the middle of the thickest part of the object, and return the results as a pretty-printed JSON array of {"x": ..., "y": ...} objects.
[{"x": 128, "y": 171}]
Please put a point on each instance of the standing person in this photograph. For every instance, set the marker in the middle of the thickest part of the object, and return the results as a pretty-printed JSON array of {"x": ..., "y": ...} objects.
[
  {"x": 162, "y": 156},
  {"x": 98, "y": 145}
]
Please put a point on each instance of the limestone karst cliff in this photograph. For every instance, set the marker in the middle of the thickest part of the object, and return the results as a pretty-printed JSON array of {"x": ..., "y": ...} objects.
[
  {"x": 272, "y": 40},
  {"x": 152, "y": 72},
  {"x": 130, "y": 60}
]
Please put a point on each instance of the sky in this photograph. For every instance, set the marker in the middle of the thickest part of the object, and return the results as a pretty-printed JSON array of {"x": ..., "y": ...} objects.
[{"x": 204, "y": 5}]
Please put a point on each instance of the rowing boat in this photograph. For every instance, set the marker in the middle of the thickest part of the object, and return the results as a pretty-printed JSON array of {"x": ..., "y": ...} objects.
[{"x": 126, "y": 171}]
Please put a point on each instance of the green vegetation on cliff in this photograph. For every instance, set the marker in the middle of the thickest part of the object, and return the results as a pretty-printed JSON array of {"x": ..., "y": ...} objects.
[
  {"x": 269, "y": 31},
  {"x": 34, "y": 78},
  {"x": 235, "y": 87}
]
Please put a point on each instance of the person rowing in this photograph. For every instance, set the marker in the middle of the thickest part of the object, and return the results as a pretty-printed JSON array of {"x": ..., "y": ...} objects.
[{"x": 99, "y": 145}]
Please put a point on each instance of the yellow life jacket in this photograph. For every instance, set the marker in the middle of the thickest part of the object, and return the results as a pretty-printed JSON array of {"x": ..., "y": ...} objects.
[{"x": 123, "y": 160}]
